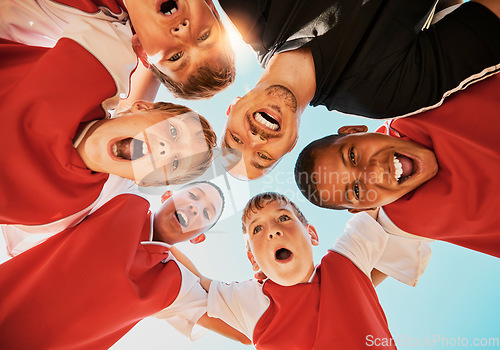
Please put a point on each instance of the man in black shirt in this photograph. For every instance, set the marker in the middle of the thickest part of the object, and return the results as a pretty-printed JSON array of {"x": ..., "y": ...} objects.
[{"x": 375, "y": 58}]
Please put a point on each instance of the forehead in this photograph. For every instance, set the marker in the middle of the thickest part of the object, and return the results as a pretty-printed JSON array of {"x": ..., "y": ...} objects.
[{"x": 267, "y": 208}]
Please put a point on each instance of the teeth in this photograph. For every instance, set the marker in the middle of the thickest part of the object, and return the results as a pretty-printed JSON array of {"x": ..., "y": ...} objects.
[
  {"x": 171, "y": 12},
  {"x": 398, "y": 169},
  {"x": 145, "y": 148},
  {"x": 183, "y": 219},
  {"x": 263, "y": 121},
  {"x": 115, "y": 150}
]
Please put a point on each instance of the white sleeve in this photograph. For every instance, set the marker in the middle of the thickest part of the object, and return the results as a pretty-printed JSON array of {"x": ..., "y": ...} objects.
[
  {"x": 363, "y": 242},
  {"x": 239, "y": 304},
  {"x": 188, "y": 307}
]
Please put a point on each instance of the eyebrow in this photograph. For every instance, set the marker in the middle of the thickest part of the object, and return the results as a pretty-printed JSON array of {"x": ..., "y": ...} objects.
[
  {"x": 182, "y": 65},
  {"x": 259, "y": 166},
  {"x": 341, "y": 153},
  {"x": 346, "y": 194}
]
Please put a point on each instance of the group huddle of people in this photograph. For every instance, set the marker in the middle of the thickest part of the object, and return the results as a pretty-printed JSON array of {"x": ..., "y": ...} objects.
[{"x": 83, "y": 132}]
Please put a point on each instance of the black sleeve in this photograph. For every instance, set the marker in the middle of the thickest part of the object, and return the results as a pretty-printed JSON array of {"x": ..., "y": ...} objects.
[{"x": 461, "y": 48}]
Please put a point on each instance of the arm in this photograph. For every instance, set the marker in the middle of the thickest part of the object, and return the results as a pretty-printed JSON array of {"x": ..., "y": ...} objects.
[
  {"x": 492, "y": 5},
  {"x": 377, "y": 277},
  {"x": 219, "y": 326}
]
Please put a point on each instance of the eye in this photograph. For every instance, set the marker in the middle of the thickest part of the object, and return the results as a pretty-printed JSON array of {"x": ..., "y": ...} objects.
[
  {"x": 193, "y": 196},
  {"x": 356, "y": 190},
  {"x": 352, "y": 156},
  {"x": 263, "y": 156},
  {"x": 176, "y": 56},
  {"x": 257, "y": 229},
  {"x": 173, "y": 131},
  {"x": 236, "y": 139},
  {"x": 283, "y": 218},
  {"x": 175, "y": 163},
  {"x": 205, "y": 213},
  {"x": 204, "y": 36}
]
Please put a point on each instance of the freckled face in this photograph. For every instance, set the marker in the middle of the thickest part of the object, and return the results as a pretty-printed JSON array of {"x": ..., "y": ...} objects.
[
  {"x": 281, "y": 244},
  {"x": 369, "y": 170}
]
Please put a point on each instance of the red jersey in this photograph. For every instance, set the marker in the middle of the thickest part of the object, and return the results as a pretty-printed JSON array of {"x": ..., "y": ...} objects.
[
  {"x": 339, "y": 309},
  {"x": 460, "y": 204},
  {"x": 45, "y": 96}
]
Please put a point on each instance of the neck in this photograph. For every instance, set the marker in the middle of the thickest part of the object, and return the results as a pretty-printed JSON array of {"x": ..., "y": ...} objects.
[{"x": 294, "y": 70}]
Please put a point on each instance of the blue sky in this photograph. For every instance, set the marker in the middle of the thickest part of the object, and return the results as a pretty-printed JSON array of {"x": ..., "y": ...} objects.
[{"x": 456, "y": 301}]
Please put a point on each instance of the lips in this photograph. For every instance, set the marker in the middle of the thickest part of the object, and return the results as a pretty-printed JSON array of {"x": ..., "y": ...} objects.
[
  {"x": 181, "y": 218},
  {"x": 283, "y": 255},
  {"x": 265, "y": 120},
  {"x": 404, "y": 167},
  {"x": 129, "y": 149}
]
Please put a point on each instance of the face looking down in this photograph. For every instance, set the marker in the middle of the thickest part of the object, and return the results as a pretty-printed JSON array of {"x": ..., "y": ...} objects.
[
  {"x": 368, "y": 170},
  {"x": 280, "y": 244},
  {"x": 147, "y": 146},
  {"x": 261, "y": 128},
  {"x": 178, "y": 36},
  {"x": 188, "y": 213}
]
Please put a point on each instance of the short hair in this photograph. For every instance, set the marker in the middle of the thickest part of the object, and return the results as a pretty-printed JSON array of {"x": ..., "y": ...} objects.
[
  {"x": 203, "y": 160},
  {"x": 207, "y": 80},
  {"x": 305, "y": 174},
  {"x": 259, "y": 201}
]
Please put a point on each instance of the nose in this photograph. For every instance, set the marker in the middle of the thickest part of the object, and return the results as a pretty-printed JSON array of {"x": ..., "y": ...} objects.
[
  {"x": 274, "y": 234},
  {"x": 182, "y": 29},
  {"x": 163, "y": 147},
  {"x": 256, "y": 139},
  {"x": 376, "y": 171}
]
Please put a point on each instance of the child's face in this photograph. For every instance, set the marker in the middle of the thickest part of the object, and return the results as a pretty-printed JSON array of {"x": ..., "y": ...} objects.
[
  {"x": 143, "y": 144},
  {"x": 189, "y": 213},
  {"x": 368, "y": 170},
  {"x": 281, "y": 246},
  {"x": 177, "y": 35}
]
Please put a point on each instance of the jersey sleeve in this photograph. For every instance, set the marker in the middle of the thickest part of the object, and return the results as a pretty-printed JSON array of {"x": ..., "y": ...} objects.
[
  {"x": 239, "y": 304},
  {"x": 188, "y": 307},
  {"x": 369, "y": 246}
]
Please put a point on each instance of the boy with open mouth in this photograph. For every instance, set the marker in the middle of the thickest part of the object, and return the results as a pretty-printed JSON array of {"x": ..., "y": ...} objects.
[
  {"x": 87, "y": 286},
  {"x": 182, "y": 41},
  {"x": 300, "y": 306},
  {"x": 433, "y": 175}
]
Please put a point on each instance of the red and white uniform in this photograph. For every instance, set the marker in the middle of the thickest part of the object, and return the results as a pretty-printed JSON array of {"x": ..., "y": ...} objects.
[
  {"x": 47, "y": 96},
  {"x": 102, "y": 27},
  {"x": 460, "y": 204},
  {"x": 87, "y": 286},
  {"x": 337, "y": 308}
]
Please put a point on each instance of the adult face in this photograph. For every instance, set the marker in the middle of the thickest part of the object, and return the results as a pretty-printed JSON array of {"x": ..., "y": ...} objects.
[
  {"x": 262, "y": 127},
  {"x": 178, "y": 36},
  {"x": 367, "y": 170}
]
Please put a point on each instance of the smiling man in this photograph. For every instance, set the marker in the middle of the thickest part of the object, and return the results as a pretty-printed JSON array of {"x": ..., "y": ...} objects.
[
  {"x": 357, "y": 57},
  {"x": 434, "y": 175}
]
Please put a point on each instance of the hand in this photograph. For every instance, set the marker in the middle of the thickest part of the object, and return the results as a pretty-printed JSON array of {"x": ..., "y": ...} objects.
[{"x": 260, "y": 276}]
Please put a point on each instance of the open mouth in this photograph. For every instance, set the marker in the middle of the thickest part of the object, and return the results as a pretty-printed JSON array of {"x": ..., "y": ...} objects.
[
  {"x": 283, "y": 255},
  {"x": 181, "y": 218},
  {"x": 404, "y": 168},
  {"x": 129, "y": 149},
  {"x": 169, "y": 7},
  {"x": 266, "y": 120}
]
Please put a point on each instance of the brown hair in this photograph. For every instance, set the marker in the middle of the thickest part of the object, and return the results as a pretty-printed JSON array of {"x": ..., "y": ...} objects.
[
  {"x": 203, "y": 160},
  {"x": 259, "y": 201},
  {"x": 305, "y": 174},
  {"x": 207, "y": 80}
]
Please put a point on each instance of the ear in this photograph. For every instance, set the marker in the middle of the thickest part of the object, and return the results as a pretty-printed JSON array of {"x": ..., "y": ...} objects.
[
  {"x": 198, "y": 239},
  {"x": 294, "y": 143},
  {"x": 138, "y": 106},
  {"x": 166, "y": 196},
  {"x": 230, "y": 108},
  {"x": 354, "y": 211},
  {"x": 139, "y": 51},
  {"x": 250, "y": 257},
  {"x": 314, "y": 235},
  {"x": 352, "y": 129}
]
